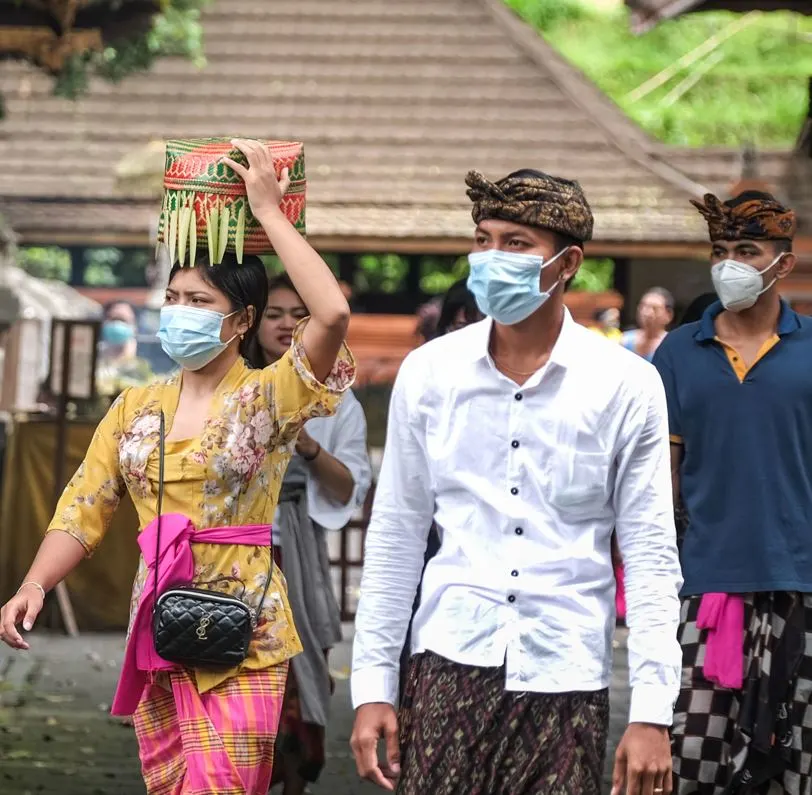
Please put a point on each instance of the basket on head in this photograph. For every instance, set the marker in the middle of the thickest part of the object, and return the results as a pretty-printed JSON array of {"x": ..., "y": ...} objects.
[{"x": 205, "y": 203}]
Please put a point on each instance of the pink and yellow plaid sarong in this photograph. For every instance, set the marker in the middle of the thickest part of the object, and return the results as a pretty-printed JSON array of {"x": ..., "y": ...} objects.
[{"x": 215, "y": 743}]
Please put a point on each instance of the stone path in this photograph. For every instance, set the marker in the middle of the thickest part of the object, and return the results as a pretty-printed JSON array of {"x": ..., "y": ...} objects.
[{"x": 56, "y": 737}]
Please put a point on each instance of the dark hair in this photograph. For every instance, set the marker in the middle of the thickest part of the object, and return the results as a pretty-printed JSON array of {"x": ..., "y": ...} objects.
[
  {"x": 281, "y": 282},
  {"x": 668, "y": 298},
  {"x": 782, "y": 246},
  {"x": 244, "y": 285},
  {"x": 458, "y": 297},
  {"x": 697, "y": 308}
]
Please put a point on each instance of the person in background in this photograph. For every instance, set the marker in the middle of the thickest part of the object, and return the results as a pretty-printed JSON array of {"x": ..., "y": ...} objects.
[
  {"x": 459, "y": 309},
  {"x": 655, "y": 311},
  {"x": 428, "y": 316},
  {"x": 119, "y": 365},
  {"x": 654, "y": 314},
  {"x": 739, "y": 389},
  {"x": 697, "y": 308},
  {"x": 325, "y": 483},
  {"x": 607, "y": 322},
  {"x": 526, "y": 438}
]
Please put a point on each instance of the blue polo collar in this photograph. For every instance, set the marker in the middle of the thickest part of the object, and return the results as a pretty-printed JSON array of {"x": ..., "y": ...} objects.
[{"x": 788, "y": 321}]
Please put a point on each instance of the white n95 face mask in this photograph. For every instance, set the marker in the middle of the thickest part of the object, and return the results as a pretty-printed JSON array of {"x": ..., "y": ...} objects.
[{"x": 738, "y": 284}]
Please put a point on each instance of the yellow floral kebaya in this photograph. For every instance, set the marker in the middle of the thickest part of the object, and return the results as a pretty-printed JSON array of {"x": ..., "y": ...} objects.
[{"x": 230, "y": 475}]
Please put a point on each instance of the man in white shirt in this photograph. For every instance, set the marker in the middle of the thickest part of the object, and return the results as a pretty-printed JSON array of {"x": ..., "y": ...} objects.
[{"x": 527, "y": 439}]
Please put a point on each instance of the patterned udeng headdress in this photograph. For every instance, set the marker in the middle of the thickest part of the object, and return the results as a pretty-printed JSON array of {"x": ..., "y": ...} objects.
[
  {"x": 205, "y": 202},
  {"x": 535, "y": 199},
  {"x": 750, "y": 216}
]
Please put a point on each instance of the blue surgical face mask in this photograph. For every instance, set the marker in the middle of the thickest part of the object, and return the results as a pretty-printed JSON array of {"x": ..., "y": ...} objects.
[
  {"x": 191, "y": 336},
  {"x": 507, "y": 285},
  {"x": 117, "y": 332}
]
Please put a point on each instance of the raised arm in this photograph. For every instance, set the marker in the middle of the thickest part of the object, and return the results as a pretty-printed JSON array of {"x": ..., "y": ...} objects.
[{"x": 310, "y": 274}]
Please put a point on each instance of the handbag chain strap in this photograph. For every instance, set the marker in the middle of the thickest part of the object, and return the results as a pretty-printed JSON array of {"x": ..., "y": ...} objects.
[{"x": 162, "y": 454}]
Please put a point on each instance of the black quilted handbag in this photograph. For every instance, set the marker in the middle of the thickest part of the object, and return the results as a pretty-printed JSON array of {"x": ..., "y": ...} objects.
[{"x": 200, "y": 627}]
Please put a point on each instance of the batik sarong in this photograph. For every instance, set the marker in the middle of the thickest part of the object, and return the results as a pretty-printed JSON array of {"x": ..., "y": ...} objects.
[
  {"x": 462, "y": 732},
  {"x": 758, "y": 740},
  {"x": 215, "y": 743}
]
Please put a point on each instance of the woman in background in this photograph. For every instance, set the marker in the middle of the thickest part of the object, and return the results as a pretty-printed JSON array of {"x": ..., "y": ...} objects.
[
  {"x": 655, "y": 312},
  {"x": 326, "y": 482},
  {"x": 119, "y": 365}
]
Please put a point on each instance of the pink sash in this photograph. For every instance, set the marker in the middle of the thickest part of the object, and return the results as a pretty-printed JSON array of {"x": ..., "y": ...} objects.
[
  {"x": 722, "y": 615},
  {"x": 176, "y": 566}
]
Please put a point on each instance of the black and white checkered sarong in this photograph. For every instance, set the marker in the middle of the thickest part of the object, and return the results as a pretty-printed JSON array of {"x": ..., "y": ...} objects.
[{"x": 758, "y": 740}]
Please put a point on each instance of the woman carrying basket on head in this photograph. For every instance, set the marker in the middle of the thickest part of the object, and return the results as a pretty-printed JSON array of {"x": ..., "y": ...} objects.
[{"x": 226, "y": 433}]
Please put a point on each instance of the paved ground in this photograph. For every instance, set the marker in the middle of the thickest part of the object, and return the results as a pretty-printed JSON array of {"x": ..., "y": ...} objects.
[{"x": 57, "y": 737}]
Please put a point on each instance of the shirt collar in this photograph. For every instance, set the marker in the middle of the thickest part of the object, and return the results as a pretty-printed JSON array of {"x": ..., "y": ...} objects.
[
  {"x": 788, "y": 321},
  {"x": 561, "y": 353}
]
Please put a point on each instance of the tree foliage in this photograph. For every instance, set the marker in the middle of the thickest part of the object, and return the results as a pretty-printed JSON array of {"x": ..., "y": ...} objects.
[
  {"x": 175, "y": 30},
  {"x": 754, "y": 90}
]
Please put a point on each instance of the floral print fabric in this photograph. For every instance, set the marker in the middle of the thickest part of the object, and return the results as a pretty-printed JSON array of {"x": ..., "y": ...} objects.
[{"x": 230, "y": 475}]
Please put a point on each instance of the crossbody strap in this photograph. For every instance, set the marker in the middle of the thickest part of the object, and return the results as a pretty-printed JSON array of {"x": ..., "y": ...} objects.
[
  {"x": 162, "y": 429},
  {"x": 162, "y": 456}
]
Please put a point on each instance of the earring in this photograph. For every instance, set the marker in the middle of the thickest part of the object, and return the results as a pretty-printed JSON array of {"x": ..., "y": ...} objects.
[{"x": 242, "y": 337}]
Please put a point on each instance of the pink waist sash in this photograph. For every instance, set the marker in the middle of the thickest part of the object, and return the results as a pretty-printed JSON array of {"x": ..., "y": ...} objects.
[
  {"x": 176, "y": 567},
  {"x": 723, "y": 616}
]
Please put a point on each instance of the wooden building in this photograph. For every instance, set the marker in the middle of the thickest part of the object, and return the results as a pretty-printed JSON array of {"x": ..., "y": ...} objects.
[{"x": 395, "y": 99}]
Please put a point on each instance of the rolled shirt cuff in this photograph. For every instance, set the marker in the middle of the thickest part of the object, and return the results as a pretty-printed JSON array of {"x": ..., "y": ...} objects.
[
  {"x": 653, "y": 704},
  {"x": 377, "y": 685}
]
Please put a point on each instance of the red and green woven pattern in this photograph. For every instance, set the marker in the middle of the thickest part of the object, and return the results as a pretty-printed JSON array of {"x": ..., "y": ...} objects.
[{"x": 205, "y": 206}]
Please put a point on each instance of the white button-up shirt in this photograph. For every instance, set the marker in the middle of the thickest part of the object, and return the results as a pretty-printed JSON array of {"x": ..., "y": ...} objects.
[{"x": 526, "y": 484}]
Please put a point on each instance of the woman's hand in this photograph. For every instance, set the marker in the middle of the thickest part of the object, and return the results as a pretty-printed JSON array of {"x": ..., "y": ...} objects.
[
  {"x": 24, "y": 607},
  {"x": 264, "y": 190},
  {"x": 306, "y": 446}
]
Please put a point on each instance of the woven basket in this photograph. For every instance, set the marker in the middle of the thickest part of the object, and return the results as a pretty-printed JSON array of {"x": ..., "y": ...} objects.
[{"x": 205, "y": 204}]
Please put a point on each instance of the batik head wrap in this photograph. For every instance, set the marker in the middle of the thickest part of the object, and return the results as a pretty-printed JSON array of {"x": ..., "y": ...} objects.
[
  {"x": 534, "y": 199},
  {"x": 751, "y": 215}
]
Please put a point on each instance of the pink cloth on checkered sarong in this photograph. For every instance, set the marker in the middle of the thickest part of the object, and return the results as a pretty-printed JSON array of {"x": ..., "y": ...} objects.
[
  {"x": 722, "y": 615},
  {"x": 215, "y": 743}
]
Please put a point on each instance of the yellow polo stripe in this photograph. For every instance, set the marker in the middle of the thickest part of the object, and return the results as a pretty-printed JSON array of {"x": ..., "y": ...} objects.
[{"x": 736, "y": 361}]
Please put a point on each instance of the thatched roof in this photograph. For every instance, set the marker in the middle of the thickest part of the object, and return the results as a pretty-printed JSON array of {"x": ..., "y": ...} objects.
[{"x": 394, "y": 99}]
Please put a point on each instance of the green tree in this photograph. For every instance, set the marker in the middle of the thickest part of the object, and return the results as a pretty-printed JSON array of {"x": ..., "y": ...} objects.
[
  {"x": 752, "y": 88},
  {"x": 45, "y": 263},
  {"x": 132, "y": 46}
]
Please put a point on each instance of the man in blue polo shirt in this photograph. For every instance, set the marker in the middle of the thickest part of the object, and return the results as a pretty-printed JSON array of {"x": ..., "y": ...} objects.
[{"x": 739, "y": 390}]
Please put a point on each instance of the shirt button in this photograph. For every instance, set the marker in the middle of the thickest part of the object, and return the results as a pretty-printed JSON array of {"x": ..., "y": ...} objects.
[
  {"x": 514, "y": 491},
  {"x": 511, "y": 598},
  {"x": 518, "y": 396},
  {"x": 519, "y": 531},
  {"x": 514, "y": 573},
  {"x": 514, "y": 444}
]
